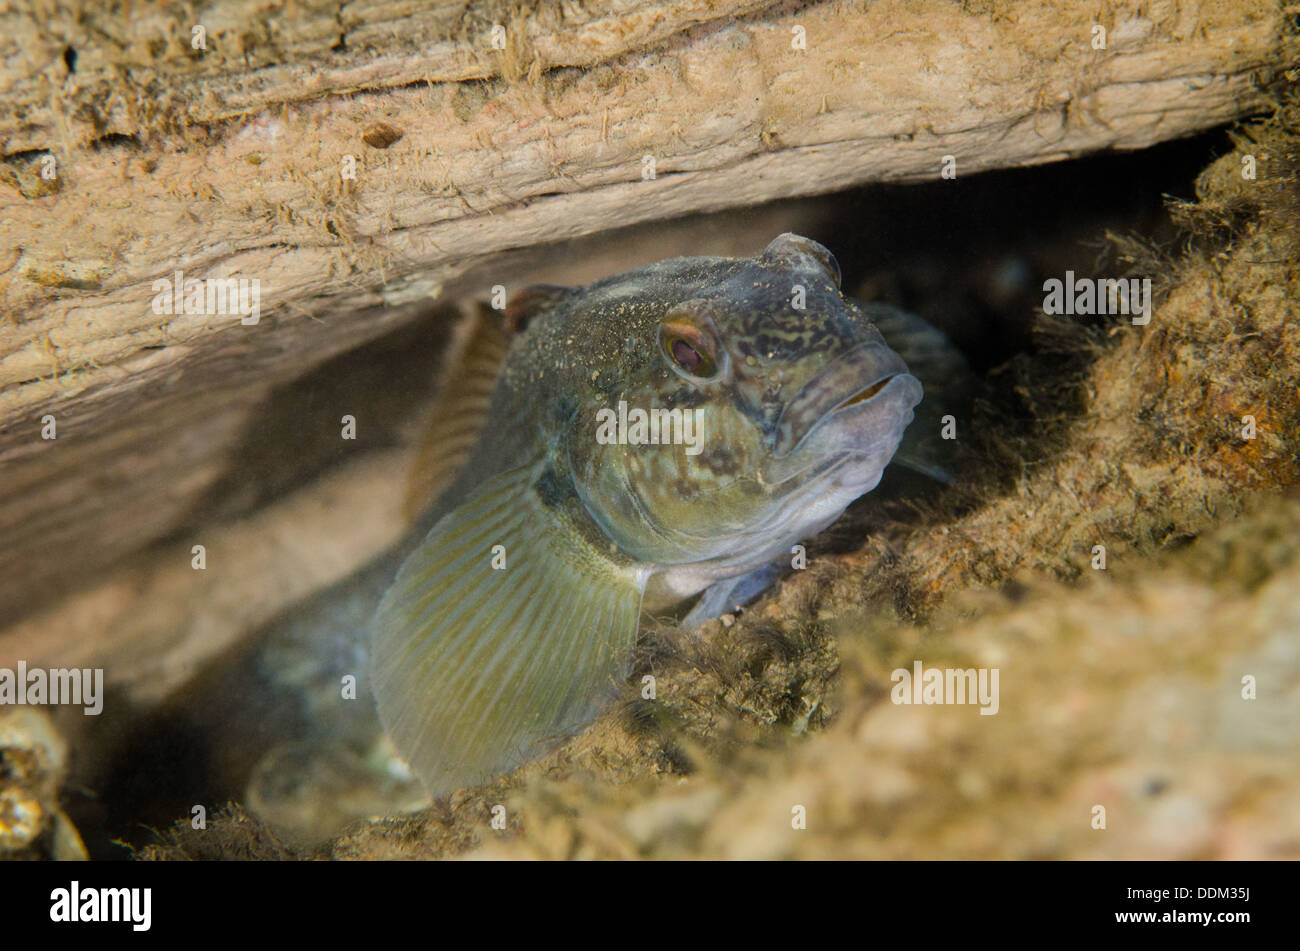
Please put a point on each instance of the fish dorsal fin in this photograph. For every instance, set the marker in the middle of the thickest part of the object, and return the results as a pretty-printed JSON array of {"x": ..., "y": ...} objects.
[
  {"x": 479, "y": 346},
  {"x": 480, "y": 654},
  {"x": 948, "y": 381},
  {"x": 531, "y": 301},
  {"x": 460, "y": 410}
]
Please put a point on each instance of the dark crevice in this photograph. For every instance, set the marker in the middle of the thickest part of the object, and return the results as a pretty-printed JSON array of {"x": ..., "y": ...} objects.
[
  {"x": 24, "y": 156},
  {"x": 114, "y": 139}
]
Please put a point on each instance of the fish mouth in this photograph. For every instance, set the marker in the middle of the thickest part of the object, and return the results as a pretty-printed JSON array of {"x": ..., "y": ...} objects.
[
  {"x": 866, "y": 382},
  {"x": 864, "y": 394}
]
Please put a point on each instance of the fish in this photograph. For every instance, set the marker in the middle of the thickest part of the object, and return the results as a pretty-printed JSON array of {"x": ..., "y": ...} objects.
[{"x": 580, "y": 499}]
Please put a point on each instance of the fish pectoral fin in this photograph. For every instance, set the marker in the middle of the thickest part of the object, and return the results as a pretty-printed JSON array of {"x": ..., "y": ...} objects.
[
  {"x": 499, "y": 634},
  {"x": 728, "y": 595}
]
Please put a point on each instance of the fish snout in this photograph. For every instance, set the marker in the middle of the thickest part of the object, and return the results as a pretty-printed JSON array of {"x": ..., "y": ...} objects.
[{"x": 869, "y": 377}]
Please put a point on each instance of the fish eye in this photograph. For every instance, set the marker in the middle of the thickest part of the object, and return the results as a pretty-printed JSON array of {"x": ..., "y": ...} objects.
[{"x": 689, "y": 348}]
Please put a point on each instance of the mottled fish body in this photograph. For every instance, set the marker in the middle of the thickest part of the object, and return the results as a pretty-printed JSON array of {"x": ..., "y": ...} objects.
[{"x": 586, "y": 493}]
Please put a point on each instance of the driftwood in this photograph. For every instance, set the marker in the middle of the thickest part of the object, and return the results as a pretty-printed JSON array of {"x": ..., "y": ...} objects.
[{"x": 232, "y": 160}]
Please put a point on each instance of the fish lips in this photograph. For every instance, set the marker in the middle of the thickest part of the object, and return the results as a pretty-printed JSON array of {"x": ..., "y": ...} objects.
[{"x": 861, "y": 403}]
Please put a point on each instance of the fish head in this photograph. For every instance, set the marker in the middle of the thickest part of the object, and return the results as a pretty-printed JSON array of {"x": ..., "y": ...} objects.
[{"x": 795, "y": 402}]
